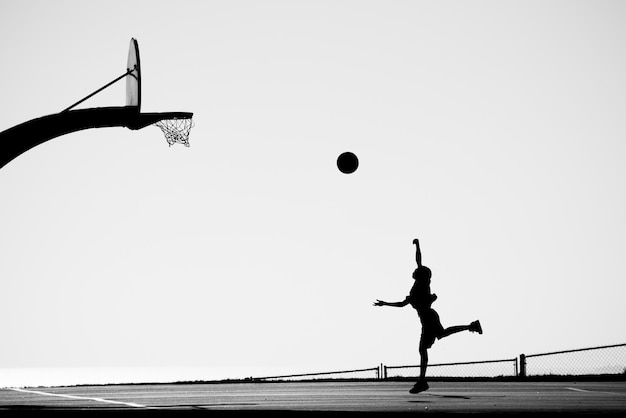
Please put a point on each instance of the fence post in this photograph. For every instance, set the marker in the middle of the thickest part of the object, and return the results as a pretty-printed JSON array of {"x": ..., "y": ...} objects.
[{"x": 522, "y": 365}]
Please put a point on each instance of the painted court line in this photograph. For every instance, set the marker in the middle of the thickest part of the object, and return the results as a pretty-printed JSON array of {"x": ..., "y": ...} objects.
[
  {"x": 131, "y": 404},
  {"x": 593, "y": 391}
]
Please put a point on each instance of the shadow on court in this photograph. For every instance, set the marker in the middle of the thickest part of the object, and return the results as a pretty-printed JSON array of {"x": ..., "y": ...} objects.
[{"x": 449, "y": 396}]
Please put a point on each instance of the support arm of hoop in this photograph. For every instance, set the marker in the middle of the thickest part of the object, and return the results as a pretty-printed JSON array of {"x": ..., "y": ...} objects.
[{"x": 128, "y": 72}]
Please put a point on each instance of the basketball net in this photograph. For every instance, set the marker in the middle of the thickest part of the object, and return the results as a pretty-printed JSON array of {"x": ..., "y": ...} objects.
[{"x": 176, "y": 130}]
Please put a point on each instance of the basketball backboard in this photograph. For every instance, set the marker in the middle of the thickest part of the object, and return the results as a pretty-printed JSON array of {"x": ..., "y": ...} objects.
[{"x": 133, "y": 81}]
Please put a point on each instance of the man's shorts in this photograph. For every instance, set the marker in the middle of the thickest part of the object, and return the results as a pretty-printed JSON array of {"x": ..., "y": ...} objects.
[{"x": 431, "y": 328}]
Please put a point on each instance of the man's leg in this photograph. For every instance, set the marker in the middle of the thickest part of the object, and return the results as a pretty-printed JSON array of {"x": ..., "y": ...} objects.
[
  {"x": 473, "y": 327},
  {"x": 453, "y": 330},
  {"x": 423, "y": 363},
  {"x": 421, "y": 384}
]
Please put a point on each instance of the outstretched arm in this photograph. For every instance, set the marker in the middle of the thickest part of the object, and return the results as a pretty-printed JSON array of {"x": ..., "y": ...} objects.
[
  {"x": 418, "y": 253},
  {"x": 394, "y": 304}
]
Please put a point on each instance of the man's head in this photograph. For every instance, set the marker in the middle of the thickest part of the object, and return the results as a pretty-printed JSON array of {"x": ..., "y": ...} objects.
[{"x": 422, "y": 273}]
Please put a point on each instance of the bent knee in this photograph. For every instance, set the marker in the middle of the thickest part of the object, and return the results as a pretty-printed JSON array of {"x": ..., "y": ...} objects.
[{"x": 424, "y": 346}]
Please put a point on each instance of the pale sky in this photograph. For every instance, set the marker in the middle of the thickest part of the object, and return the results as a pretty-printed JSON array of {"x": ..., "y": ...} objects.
[{"x": 493, "y": 131}]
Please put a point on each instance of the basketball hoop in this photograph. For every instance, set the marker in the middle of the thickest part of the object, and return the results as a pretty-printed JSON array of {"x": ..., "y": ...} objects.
[
  {"x": 176, "y": 130},
  {"x": 174, "y": 125}
]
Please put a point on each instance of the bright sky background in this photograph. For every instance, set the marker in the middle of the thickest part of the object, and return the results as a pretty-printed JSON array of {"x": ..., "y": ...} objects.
[{"x": 493, "y": 131}]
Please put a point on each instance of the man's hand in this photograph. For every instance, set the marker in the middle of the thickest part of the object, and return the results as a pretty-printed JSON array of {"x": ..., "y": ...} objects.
[
  {"x": 379, "y": 303},
  {"x": 416, "y": 242}
]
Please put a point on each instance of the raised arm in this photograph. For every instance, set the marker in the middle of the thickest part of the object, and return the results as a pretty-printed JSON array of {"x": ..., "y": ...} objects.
[{"x": 418, "y": 253}]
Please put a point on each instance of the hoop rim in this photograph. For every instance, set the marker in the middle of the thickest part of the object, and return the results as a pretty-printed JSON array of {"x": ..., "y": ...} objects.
[{"x": 141, "y": 120}]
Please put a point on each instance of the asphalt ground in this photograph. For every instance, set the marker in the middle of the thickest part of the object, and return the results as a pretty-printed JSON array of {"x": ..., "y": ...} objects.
[{"x": 567, "y": 397}]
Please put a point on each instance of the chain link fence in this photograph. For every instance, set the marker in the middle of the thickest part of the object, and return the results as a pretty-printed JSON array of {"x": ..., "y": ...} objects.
[
  {"x": 489, "y": 368},
  {"x": 593, "y": 361},
  {"x": 359, "y": 374},
  {"x": 605, "y": 360}
]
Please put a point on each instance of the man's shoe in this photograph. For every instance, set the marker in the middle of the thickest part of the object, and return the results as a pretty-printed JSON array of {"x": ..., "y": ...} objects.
[
  {"x": 475, "y": 327},
  {"x": 420, "y": 386}
]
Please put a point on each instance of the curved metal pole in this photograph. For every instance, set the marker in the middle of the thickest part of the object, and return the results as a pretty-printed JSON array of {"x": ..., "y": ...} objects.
[{"x": 19, "y": 139}]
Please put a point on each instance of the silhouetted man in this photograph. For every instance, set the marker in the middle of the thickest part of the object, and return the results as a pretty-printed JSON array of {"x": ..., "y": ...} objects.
[{"x": 421, "y": 300}]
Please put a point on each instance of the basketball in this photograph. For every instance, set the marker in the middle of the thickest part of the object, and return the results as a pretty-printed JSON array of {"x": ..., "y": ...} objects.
[{"x": 347, "y": 162}]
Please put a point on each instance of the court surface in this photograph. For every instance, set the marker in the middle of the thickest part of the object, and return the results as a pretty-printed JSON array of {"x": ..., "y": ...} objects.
[{"x": 443, "y": 397}]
